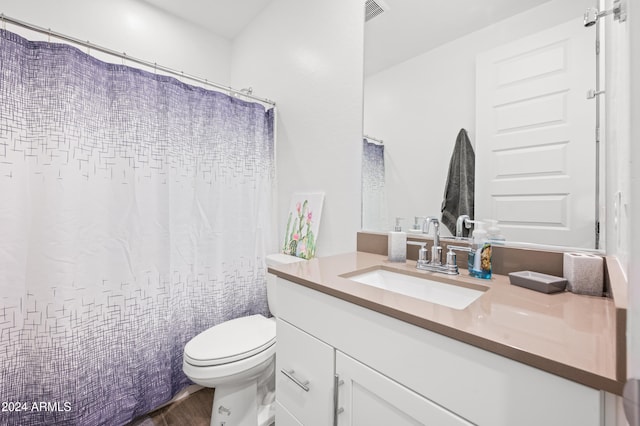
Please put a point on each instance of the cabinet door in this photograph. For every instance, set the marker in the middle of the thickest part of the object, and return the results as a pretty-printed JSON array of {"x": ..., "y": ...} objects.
[
  {"x": 284, "y": 417},
  {"x": 304, "y": 376},
  {"x": 367, "y": 398}
]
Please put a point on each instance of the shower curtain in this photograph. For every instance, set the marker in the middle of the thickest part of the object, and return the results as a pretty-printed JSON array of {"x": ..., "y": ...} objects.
[
  {"x": 135, "y": 212},
  {"x": 374, "y": 200}
]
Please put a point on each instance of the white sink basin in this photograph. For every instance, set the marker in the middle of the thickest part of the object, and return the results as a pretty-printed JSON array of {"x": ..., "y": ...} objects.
[{"x": 451, "y": 295}]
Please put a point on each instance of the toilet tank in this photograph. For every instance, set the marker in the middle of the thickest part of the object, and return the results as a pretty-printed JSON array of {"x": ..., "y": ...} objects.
[{"x": 276, "y": 260}]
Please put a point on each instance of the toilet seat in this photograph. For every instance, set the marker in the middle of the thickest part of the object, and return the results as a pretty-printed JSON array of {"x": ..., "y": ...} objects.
[{"x": 231, "y": 341}]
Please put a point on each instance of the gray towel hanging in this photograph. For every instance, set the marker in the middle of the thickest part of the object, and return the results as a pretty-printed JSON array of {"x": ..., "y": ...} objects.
[{"x": 459, "y": 189}]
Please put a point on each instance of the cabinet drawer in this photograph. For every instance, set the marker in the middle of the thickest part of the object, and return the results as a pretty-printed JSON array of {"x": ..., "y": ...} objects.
[{"x": 304, "y": 375}]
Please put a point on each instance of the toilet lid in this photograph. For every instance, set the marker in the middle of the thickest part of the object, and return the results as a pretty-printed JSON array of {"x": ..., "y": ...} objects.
[
  {"x": 282, "y": 259},
  {"x": 231, "y": 341}
]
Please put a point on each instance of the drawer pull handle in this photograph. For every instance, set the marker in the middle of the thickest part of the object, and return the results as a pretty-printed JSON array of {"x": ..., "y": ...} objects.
[
  {"x": 303, "y": 385},
  {"x": 336, "y": 410}
]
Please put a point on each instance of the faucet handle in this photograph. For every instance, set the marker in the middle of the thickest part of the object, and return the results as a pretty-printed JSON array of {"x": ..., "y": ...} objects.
[
  {"x": 422, "y": 253},
  {"x": 457, "y": 248},
  {"x": 451, "y": 254},
  {"x": 452, "y": 263}
]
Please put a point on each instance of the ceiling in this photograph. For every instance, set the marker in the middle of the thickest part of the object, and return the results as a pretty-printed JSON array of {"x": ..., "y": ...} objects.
[
  {"x": 411, "y": 27},
  {"x": 226, "y": 18},
  {"x": 407, "y": 29}
]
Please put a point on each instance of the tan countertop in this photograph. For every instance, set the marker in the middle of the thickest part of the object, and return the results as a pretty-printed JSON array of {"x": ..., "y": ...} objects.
[{"x": 572, "y": 336}]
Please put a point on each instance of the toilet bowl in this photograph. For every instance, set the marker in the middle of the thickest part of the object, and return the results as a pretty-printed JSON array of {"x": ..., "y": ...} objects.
[{"x": 237, "y": 358}]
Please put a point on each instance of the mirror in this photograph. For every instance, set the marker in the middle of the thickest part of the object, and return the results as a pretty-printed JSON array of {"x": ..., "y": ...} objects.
[{"x": 431, "y": 71}]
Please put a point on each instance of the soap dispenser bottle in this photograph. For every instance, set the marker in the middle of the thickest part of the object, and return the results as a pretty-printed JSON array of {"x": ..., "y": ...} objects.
[
  {"x": 397, "y": 244},
  {"x": 493, "y": 232},
  {"x": 480, "y": 256}
]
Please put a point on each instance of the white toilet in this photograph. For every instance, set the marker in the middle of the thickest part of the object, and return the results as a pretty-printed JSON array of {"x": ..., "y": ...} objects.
[{"x": 237, "y": 358}]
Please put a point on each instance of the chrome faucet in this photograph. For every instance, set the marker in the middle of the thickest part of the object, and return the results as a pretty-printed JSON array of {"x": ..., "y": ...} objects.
[
  {"x": 436, "y": 250},
  {"x": 435, "y": 264},
  {"x": 450, "y": 268},
  {"x": 463, "y": 220}
]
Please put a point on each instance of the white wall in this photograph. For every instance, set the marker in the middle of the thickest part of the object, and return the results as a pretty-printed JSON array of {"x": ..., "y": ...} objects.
[
  {"x": 129, "y": 26},
  {"x": 417, "y": 107},
  {"x": 633, "y": 230},
  {"x": 307, "y": 56},
  {"x": 617, "y": 137},
  {"x": 623, "y": 163}
]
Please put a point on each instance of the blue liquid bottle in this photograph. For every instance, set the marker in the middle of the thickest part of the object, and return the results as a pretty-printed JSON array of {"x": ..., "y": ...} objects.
[{"x": 480, "y": 256}]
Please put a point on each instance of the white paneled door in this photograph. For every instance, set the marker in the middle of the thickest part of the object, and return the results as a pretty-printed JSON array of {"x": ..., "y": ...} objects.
[{"x": 535, "y": 137}]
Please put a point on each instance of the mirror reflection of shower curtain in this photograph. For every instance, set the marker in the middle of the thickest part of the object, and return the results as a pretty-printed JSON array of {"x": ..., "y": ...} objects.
[
  {"x": 374, "y": 203},
  {"x": 136, "y": 213}
]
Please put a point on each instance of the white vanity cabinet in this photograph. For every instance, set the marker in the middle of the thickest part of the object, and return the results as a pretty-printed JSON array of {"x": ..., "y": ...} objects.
[
  {"x": 393, "y": 372},
  {"x": 357, "y": 395}
]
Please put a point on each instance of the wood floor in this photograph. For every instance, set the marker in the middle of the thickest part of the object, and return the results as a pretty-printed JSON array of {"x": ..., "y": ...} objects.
[{"x": 194, "y": 410}]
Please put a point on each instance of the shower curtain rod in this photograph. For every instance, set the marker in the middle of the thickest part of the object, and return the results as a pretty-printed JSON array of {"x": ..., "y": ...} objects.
[
  {"x": 374, "y": 140},
  {"x": 244, "y": 92}
]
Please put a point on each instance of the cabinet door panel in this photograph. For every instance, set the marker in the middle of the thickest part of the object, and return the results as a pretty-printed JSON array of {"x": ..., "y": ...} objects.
[
  {"x": 284, "y": 417},
  {"x": 369, "y": 398},
  {"x": 309, "y": 361}
]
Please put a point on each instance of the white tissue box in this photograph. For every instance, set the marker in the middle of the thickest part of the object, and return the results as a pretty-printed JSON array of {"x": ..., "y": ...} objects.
[{"x": 584, "y": 273}]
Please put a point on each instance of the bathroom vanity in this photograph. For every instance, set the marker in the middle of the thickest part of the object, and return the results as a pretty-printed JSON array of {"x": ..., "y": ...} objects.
[{"x": 349, "y": 353}]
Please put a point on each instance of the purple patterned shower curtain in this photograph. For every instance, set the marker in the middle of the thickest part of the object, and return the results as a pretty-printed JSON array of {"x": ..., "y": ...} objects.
[
  {"x": 374, "y": 200},
  {"x": 135, "y": 212}
]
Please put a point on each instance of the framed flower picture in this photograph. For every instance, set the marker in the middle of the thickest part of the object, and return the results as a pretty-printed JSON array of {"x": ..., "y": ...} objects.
[{"x": 303, "y": 222}]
